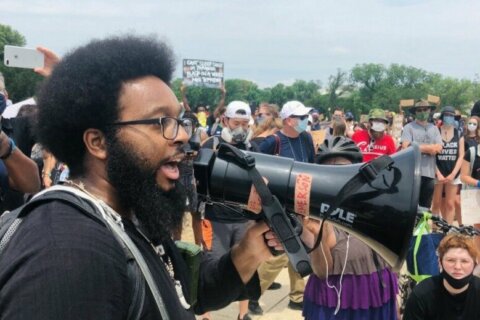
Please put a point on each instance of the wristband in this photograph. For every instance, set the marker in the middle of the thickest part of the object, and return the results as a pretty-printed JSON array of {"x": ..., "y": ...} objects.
[
  {"x": 478, "y": 183},
  {"x": 11, "y": 148}
]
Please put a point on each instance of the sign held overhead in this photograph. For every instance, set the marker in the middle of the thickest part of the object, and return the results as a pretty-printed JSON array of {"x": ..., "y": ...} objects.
[{"x": 202, "y": 73}]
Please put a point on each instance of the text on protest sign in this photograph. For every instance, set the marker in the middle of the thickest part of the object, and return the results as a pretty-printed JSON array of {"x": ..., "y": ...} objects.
[{"x": 202, "y": 73}]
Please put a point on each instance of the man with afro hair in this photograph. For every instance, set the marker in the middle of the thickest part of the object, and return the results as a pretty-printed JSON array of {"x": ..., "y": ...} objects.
[{"x": 107, "y": 111}]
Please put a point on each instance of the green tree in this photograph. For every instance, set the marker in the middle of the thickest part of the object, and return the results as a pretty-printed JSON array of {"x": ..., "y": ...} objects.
[
  {"x": 197, "y": 96},
  {"x": 20, "y": 83},
  {"x": 338, "y": 86}
]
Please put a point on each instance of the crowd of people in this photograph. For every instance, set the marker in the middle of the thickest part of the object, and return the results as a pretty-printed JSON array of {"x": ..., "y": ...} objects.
[{"x": 109, "y": 130}]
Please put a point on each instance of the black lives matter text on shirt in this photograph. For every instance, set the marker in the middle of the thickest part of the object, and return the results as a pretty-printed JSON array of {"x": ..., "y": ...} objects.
[{"x": 202, "y": 73}]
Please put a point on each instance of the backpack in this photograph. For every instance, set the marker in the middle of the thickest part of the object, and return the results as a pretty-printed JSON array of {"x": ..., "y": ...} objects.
[{"x": 11, "y": 220}]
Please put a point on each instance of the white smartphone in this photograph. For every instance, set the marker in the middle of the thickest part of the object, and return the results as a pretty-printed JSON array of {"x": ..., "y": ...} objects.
[{"x": 21, "y": 57}]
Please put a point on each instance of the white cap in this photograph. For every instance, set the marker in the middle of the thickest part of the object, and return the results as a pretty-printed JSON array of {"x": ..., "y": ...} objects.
[
  {"x": 293, "y": 108},
  {"x": 238, "y": 110}
]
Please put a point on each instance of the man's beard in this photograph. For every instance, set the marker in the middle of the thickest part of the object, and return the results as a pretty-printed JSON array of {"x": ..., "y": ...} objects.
[{"x": 159, "y": 212}]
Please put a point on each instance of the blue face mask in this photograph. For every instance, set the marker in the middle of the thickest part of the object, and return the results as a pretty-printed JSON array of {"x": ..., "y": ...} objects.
[
  {"x": 301, "y": 125},
  {"x": 260, "y": 120},
  {"x": 449, "y": 120}
]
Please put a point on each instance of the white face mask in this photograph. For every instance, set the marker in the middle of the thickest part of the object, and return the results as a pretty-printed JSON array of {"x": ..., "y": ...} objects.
[
  {"x": 378, "y": 126},
  {"x": 472, "y": 127}
]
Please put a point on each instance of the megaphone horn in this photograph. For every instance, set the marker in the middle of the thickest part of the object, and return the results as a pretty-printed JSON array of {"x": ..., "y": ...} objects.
[{"x": 381, "y": 213}]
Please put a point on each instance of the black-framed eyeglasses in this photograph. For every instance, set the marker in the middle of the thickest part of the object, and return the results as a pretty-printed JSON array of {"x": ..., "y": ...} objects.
[
  {"x": 300, "y": 117},
  {"x": 169, "y": 125}
]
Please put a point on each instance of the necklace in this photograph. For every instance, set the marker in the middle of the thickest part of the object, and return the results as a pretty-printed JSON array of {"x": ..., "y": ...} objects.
[
  {"x": 302, "y": 159},
  {"x": 159, "y": 250}
]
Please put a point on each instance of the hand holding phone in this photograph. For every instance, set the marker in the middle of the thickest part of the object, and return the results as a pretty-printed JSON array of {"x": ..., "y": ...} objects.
[{"x": 20, "y": 57}]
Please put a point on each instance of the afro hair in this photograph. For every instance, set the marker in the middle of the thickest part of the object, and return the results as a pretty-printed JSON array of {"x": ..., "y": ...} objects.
[{"x": 83, "y": 91}]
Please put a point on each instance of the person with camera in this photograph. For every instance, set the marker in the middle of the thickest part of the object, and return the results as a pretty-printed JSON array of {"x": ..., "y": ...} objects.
[
  {"x": 455, "y": 292},
  {"x": 350, "y": 280},
  {"x": 108, "y": 112}
]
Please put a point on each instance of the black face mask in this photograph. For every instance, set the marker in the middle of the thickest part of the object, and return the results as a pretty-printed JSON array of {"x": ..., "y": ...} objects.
[{"x": 456, "y": 283}]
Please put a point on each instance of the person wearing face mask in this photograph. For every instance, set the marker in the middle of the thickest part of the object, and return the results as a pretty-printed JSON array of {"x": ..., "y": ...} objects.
[
  {"x": 427, "y": 136},
  {"x": 227, "y": 224},
  {"x": 292, "y": 141},
  {"x": 350, "y": 280},
  {"x": 472, "y": 134},
  {"x": 375, "y": 141},
  {"x": 455, "y": 292},
  {"x": 448, "y": 165},
  {"x": 267, "y": 122}
]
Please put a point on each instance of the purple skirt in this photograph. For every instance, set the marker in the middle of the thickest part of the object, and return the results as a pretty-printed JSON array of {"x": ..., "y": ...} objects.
[{"x": 363, "y": 297}]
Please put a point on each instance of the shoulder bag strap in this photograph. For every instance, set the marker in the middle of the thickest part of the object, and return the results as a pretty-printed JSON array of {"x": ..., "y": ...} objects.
[{"x": 114, "y": 222}]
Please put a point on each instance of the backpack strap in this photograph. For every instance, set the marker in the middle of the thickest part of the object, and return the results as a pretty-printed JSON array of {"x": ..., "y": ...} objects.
[
  {"x": 11, "y": 220},
  {"x": 309, "y": 143},
  {"x": 276, "y": 150}
]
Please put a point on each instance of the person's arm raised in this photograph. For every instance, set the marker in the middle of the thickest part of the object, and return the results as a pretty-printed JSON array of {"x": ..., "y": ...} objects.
[
  {"x": 51, "y": 59},
  {"x": 183, "y": 90},
  {"x": 221, "y": 103}
]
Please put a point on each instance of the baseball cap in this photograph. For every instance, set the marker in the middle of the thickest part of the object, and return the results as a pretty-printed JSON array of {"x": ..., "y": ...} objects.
[
  {"x": 293, "y": 108},
  {"x": 238, "y": 110},
  {"x": 377, "y": 113}
]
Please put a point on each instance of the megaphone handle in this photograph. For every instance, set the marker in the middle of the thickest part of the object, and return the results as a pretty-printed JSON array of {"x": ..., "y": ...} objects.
[
  {"x": 281, "y": 225},
  {"x": 297, "y": 227}
]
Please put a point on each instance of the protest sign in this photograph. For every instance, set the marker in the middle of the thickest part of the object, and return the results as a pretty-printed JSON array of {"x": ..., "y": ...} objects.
[
  {"x": 318, "y": 136},
  {"x": 363, "y": 118},
  {"x": 202, "y": 73},
  {"x": 396, "y": 128}
]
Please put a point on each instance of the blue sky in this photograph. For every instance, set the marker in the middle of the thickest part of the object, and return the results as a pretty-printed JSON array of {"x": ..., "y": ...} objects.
[{"x": 270, "y": 41}]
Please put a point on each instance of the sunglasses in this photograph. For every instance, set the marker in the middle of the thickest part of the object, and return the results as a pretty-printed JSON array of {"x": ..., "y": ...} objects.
[{"x": 300, "y": 117}]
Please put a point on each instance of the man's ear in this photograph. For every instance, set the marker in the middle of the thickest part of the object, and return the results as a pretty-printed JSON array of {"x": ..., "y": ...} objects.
[
  {"x": 224, "y": 122},
  {"x": 95, "y": 142}
]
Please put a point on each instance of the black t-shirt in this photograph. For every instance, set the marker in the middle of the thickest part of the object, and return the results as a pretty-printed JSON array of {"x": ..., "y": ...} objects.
[
  {"x": 61, "y": 264},
  {"x": 476, "y": 163},
  {"x": 447, "y": 158},
  {"x": 431, "y": 301}
]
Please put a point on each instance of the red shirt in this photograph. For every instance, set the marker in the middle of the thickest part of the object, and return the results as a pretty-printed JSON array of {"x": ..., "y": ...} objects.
[{"x": 371, "y": 148}]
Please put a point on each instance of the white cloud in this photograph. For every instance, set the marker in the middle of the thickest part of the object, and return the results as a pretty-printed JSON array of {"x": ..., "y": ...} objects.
[{"x": 270, "y": 40}]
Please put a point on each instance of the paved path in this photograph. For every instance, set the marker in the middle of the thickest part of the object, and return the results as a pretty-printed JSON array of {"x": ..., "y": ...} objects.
[{"x": 273, "y": 302}]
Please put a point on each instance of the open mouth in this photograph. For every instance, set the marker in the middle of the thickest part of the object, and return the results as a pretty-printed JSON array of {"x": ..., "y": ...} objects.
[{"x": 169, "y": 168}]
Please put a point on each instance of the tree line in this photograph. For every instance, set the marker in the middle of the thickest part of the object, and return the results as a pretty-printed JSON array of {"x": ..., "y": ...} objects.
[{"x": 358, "y": 90}]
